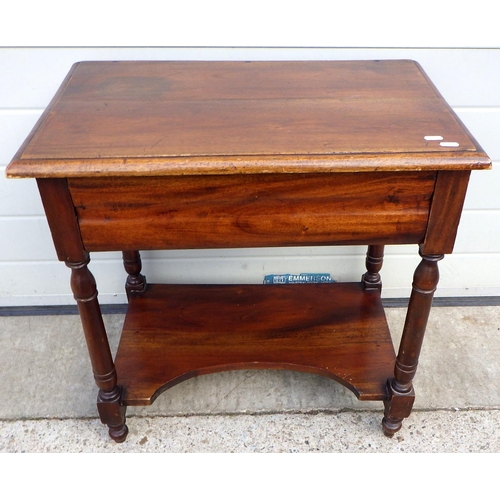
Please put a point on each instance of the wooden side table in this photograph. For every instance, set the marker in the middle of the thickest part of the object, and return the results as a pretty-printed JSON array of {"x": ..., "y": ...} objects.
[{"x": 134, "y": 156}]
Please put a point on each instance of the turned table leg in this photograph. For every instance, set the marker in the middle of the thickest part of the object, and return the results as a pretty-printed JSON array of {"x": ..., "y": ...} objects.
[
  {"x": 132, "y": 263},
  {"x": 401, "y": 394},
  {"x": 374, "y": 260},
  {"x": 84, "y": 288}
]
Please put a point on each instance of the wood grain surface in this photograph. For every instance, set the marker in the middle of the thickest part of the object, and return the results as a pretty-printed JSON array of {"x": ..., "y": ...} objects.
[
  {"x": 378, "y": 158},
  {"x": 335, "y": 330},
  {"x": 129, "y": 118},
  {"x": 219, "y": 211}
]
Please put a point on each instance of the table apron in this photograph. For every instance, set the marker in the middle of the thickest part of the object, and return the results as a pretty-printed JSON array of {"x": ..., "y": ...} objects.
[{"x": 261, "y": 210}]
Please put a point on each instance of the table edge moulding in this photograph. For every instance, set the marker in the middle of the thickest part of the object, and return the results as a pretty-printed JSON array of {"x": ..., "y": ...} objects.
[{"x": 158, "y": 155}]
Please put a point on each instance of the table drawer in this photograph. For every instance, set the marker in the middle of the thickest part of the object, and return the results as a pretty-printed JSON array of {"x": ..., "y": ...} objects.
[{"x": 217, "y": 211}]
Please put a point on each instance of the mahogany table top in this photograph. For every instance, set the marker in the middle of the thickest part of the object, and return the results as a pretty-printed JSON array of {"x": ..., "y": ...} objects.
[{"x": 168, "y": 118}]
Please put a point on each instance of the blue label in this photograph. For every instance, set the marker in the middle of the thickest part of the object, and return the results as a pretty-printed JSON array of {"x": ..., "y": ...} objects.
[{"x": 286, "y": 279}]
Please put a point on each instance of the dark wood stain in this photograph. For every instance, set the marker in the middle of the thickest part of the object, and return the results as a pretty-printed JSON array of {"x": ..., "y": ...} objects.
[{"x": 162, "y": 155}]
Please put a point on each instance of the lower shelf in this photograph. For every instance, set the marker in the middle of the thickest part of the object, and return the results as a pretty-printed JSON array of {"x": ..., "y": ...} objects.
[{"x": 174, "y": 332}]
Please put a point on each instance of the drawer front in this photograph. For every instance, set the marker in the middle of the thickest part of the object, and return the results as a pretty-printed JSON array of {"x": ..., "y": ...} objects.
[{"x": 231, "y": 211}]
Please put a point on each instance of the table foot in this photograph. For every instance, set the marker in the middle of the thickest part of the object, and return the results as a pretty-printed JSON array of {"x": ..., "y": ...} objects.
[
  {"x": 118, "y": 434},
  {"x": 398, "y": 406},
  {"x": 112, "y": 413},
  {"x": 391, "y": 426}
]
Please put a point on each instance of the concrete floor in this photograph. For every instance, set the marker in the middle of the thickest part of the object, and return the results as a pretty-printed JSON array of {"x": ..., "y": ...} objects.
[{"x": 47, "y": 397}]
